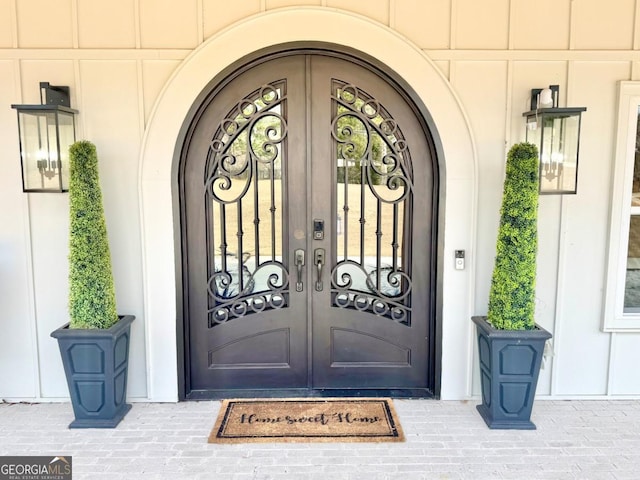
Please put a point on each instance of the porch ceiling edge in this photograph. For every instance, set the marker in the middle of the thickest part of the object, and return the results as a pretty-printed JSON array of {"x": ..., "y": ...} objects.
[{"x": 158, "y": 173}]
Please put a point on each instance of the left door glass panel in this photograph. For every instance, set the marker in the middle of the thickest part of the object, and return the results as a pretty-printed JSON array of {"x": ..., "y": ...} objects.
[{"x": 244, "y": 188}]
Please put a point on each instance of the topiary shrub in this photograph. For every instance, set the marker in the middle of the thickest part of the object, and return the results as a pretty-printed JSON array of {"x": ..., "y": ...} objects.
[
  {"x": 92, "y": 301},
  {"x": 512, "y": 293}
]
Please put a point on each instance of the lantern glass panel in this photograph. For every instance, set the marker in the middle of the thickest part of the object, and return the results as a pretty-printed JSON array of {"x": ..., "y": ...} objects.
[
  {"x": 533, "y": 132},
  {"x": 45, "y": 137},
  {"x": 559, "y": 153},
  {"x": 67, "y": 135}
]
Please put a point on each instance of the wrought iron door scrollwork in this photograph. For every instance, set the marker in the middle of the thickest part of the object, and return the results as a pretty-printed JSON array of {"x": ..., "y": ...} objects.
[
  {"x": 374, "y": 166},
  {"x": 242, "y": 185}
]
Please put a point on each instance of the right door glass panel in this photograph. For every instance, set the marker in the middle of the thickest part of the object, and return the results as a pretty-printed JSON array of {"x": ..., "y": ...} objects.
[{"x": 373, "y": 199}]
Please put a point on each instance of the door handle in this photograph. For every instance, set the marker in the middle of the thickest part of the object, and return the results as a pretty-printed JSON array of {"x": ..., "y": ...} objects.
[
  {"x": 299, "y": 261},
  {"x": 318, "y": 260}
]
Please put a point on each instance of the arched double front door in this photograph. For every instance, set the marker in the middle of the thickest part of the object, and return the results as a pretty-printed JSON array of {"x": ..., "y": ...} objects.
[{"x": 308, "y": 187}]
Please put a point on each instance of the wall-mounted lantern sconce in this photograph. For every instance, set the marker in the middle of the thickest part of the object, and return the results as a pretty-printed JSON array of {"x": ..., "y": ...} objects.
[
  {"x": 46, "y": 131},
  {"x": 556, "y": 133}
]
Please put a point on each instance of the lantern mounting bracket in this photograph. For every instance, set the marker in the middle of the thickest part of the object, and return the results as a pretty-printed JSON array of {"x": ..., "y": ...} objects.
[{"x": 54, "y": 95}]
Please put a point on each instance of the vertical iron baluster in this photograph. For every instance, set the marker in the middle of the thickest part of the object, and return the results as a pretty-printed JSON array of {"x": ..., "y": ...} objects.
[
  {"x": 223, "y": 234},
  {"x": 256, "y": 216},
  {"x": 239, "y": 255},
  {"x": 378, "y": 243},
  {"x": 273, "y": 210},
  {"x": 211, "y": 238},
  {"x": 345, "y": 207},
  {"x": 394, "y": 244},
  {"x": 363, "y": 221}
]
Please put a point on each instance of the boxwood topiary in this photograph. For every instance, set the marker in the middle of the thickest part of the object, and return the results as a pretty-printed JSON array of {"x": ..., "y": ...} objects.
[
  {"x": 512, "y": 293},
  {"x": 92, "y": 301}
]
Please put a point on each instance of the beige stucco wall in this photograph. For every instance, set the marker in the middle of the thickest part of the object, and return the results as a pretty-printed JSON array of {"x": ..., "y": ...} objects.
[{"x": 118, "y": 56}]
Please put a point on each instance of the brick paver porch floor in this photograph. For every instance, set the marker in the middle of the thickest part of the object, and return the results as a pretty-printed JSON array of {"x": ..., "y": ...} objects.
[{"x": 445, "y": 440}]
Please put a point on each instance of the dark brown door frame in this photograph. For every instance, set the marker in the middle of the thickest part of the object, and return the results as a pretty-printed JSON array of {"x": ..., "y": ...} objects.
[{"x": 430, "y": 131}]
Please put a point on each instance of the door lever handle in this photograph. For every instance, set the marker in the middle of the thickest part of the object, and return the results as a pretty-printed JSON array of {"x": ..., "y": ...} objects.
[
  {"x": 299, "y": 262},
  {"x": 318, "y": 260}
]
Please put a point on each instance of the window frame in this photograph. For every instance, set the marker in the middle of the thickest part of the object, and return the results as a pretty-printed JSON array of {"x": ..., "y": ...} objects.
[{"x": 615, "y": 319}]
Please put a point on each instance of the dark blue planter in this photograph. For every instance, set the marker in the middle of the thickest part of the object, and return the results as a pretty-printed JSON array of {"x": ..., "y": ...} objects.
[
  {"x": 96, "y": 366},
  {"x": 509, "y": 366}
]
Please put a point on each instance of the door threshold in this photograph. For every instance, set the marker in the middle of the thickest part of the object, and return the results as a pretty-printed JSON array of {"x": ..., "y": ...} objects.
[{"x": 311, "y": 393}]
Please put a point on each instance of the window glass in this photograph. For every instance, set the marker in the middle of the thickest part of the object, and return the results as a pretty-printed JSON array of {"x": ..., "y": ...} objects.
[{"x": 632, "y": 283}]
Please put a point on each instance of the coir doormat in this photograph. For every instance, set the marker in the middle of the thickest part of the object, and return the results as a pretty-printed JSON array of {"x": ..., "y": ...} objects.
[{"x": 307, "y": 420}]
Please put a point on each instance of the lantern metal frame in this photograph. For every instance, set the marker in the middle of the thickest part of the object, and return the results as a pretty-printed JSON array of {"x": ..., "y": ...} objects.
[
  {"x": 53, "y": 146},
  {"x": 557, "y": 129}
]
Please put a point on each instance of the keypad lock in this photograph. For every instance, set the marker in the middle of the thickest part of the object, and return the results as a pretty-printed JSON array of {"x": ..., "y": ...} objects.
[{"x": 318, "y": 229}]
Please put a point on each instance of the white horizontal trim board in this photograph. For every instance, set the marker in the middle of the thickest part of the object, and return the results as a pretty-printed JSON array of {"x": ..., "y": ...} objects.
[
  {"x": 93, "y": 54},
  {"x": 434, "y": 55}
]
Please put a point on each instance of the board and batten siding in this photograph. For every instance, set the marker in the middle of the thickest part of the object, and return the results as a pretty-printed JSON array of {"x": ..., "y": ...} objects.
[{"x": 118, "y": 56}]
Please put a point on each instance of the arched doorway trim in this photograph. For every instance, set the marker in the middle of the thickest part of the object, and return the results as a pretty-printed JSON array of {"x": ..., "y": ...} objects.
[{"x": 158, "y": 174}]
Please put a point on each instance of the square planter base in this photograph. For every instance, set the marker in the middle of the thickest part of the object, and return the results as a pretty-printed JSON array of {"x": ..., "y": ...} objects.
[
  {"x": 511, "y": 424},
  {"x": 105, "y": 423}
]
